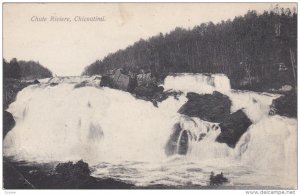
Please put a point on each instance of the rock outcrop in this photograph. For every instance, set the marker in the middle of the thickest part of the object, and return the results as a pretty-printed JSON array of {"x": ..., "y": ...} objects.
[
  {"x": 285, "y": 105},
  {"x": 210, "y": 107},
  {"x": 233, "y": 127},
  {"x": 214, "y": 108},
  {"x": 106, "y": 81},
  {"x": 142, "y": 86},
  {"x": 215, "y": 180},
  {"x": 8, "y": 122},
  {"x": 119, "y": 80}
]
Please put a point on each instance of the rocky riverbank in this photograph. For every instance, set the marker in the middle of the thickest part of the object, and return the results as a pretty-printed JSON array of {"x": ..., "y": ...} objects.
[
  {"x": 69, "y": 175},
  {"x": 20, "y": 175}
]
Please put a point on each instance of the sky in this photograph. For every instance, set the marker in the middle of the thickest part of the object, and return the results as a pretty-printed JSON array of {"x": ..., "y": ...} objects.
[{"x": 67, "y": 47}]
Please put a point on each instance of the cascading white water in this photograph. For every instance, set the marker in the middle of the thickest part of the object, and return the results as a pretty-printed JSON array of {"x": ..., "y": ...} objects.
[
  {"x": 198, "y": 83},
  {"x": 67, "y": 120},
  {"x": 270, "y": 145},
  {"x": 62, "y": 122}
]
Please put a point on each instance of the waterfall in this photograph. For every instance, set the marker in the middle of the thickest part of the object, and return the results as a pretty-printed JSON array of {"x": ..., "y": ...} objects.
[{"x": 62, "y": 122}]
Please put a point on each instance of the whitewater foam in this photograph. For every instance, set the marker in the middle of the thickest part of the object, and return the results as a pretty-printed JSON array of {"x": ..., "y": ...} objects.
[{"x": 62, "y": 122}]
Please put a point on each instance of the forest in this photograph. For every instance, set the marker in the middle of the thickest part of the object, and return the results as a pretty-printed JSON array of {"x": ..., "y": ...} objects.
[
  {"x": 256, "y": 51},
  {"x": 24, "y": 70}
]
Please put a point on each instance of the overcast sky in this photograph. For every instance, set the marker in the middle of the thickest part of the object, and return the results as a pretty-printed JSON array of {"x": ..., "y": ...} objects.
[{"x": 67, "y": 47}]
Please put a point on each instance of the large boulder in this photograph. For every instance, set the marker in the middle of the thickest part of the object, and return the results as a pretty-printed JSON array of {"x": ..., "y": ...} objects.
[
  {"x": 71, "y": 175},
  {"x": 119, "y": 80},
  {"x": 8, "y": 122},
  {"x": 233, "y": 127},
  {"x": 285, "y": 105},
  {"x": 73, "y": 171},
  {"x": 210, "y": 107},
  {"x": 215, "y": 180},
  {"x": 106, "y": 81}
]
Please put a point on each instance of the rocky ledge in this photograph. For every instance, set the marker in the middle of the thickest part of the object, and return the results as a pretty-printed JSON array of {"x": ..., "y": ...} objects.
[{"x": 285, "y": 105}]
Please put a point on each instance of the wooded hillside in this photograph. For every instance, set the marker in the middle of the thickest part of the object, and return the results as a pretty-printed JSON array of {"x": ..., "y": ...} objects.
[
  {"x": 256, "y": 51},
  {"x": 26, "y": 70}
]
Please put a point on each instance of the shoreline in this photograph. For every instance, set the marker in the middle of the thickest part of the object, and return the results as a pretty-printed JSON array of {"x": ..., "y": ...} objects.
[{"x": 21, "y": 175}]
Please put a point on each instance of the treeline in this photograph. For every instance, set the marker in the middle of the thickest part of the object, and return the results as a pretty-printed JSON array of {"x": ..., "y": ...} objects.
[
  {"x": 26, "y": 70},
  {"x": 255, "y": 51}
]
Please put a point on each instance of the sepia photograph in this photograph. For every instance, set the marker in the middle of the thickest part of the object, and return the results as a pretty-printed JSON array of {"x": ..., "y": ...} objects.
[{"x": 197, "y": 95}]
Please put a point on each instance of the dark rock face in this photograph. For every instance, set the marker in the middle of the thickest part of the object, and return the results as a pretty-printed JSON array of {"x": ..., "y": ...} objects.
[
  {"x": 210, "y": 107},
  {"x": 233, "y": 127},
  {"x": 8, "y": 122},
  {"x": 118, "y": 80},
  {"x": 106, "y": 81},
  {"x": 68, "y": 170},
  {"x": 285, "y": 105}
]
